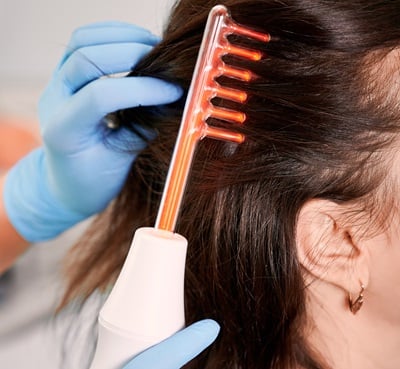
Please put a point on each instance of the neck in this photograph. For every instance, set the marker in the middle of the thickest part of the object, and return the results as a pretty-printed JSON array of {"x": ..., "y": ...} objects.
[{"x": 365, "y": 340}]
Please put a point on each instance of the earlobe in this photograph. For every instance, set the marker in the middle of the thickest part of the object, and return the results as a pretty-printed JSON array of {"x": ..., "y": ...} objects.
[{"x": 328, "y": 248}]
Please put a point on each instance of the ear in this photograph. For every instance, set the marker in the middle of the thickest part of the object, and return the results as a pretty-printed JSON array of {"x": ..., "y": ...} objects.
[{"x": 328, "y": 246}]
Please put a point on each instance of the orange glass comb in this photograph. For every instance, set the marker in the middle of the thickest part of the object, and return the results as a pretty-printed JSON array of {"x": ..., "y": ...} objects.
[{"x": 199, "y": 108}]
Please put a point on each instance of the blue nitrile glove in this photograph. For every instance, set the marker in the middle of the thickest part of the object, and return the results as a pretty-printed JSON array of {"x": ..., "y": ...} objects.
[
  {"x": 75, "y": 175},
  {"x": 179, "y": 349}
]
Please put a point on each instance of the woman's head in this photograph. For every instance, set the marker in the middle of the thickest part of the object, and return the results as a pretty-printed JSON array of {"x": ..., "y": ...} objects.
[{"x": 322, "y": 121}]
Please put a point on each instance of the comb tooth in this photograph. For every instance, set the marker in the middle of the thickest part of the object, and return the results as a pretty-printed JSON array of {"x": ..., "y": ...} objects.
[
  {"x": 226, "y": 114},
  {"x": 244, "y": 53},
  {"x": 231, "y": 94},
  {"x": 263, "y": 37},
  {"x": 223, "y": 134},
  {"x": 241, "y": 74}
]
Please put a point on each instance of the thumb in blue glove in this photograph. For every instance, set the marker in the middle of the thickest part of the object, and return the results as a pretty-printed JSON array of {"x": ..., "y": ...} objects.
[
  {"x": 75, "y": 174},
  {"x": 179, "y": 349}
]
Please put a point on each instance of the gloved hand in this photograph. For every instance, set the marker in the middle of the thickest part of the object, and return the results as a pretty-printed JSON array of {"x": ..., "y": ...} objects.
[
  {"x": 179, "y": 349},
  {"x": 75, "y": 175}
]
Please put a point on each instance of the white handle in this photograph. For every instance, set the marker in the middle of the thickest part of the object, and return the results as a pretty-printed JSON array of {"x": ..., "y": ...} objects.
[{"x": 146, "y": 304}]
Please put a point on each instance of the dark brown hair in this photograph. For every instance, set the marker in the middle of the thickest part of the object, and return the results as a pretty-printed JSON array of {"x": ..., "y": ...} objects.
[{"x": 314, "y": 128}]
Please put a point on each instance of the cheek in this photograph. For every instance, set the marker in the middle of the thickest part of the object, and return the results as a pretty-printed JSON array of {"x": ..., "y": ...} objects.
[{"x": 382, "y": 291}]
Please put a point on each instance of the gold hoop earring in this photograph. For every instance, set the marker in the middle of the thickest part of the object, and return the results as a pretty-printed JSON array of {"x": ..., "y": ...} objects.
[{"x": 355, "y": 305}]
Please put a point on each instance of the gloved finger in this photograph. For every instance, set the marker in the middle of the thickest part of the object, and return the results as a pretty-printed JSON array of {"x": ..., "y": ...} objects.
[
  {"x": 105, "y": 33},
  {"x": 124, "y": 141},
  {"x": 107, "y": 95},
  {"x": 179, "y": 349},
  {"x": 112, "y": 23},
  {"x": 92, "y": 62},
  {"x": 90, "y": 104}
]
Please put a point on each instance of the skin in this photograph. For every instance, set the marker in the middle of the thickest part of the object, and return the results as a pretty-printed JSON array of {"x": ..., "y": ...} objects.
[
  {"x": 17, "y": 138},
  {"x": 339, "y": 253},
  {"x": 12, "y": 244}
]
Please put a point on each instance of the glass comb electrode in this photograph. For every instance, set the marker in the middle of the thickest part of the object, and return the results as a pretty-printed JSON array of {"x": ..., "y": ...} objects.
[{"x": 199, "y": 108}]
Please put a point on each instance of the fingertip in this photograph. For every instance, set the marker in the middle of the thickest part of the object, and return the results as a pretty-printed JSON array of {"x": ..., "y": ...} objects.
[
  {"x": 179, "y": 349},
  {"x": 146, "y": 91},
  {"x": 209, "y": 324},
  {"x": 154, "y": 38},
  {"x": 112, "y": 24},
  {"x": 103, "y": 96},
  {"x": 175, "y": 91},
  {"x": 157, "y": 86},
  {"x": 208, "y": 329},
  {"x": 107, "y": 33}
]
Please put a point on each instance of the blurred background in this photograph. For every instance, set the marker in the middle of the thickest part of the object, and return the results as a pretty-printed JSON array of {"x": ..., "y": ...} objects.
[{"x": 33, "y": 35}]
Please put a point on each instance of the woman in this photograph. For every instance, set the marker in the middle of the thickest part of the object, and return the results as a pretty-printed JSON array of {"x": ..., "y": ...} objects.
[{"x": 292, "y": 230}]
